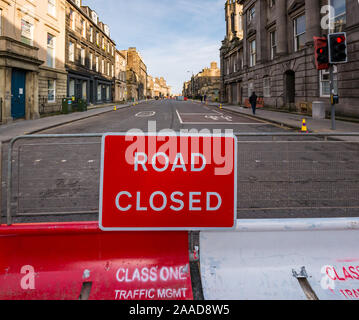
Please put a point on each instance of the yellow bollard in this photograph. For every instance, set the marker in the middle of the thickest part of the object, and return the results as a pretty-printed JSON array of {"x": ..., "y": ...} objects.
[
  {"x": 115, "y": 108},
  {"x": 220, "y": 106},
  {"x": 304, "y": 126}
]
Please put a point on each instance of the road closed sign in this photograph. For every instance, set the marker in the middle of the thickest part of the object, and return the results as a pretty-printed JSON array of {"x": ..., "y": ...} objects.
[{"x": 168, "y": 182}]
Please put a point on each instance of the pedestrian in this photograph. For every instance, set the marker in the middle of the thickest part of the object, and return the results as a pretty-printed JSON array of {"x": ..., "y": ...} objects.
[
  {"x": 253, "y": 102},
  {"x": 205, "y": 98}
]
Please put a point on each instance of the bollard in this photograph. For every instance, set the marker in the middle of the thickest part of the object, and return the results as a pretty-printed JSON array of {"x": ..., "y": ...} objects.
[
  {"x": 304, "y": 126},
  {"x": 115, "y": 108}
]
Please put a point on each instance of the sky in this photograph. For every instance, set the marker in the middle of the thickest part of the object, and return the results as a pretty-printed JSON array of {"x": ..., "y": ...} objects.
[{"x": 172, "y": 36}]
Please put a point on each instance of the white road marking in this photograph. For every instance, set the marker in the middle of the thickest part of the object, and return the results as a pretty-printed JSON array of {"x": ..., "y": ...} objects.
[
  {"x": 179, "y": 117},
  {"x": 144, "y": 114}
]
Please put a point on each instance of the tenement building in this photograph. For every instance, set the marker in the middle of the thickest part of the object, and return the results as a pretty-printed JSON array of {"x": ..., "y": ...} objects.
[
  {"x": 120, "y": 77},
  {"x": 32, "y": 70},
  {"x": 90, "y": 55},
  {"x": 205, "y": 83},
  {"x": 136, "y": 75},
  {"x": 275, "y": 56}
]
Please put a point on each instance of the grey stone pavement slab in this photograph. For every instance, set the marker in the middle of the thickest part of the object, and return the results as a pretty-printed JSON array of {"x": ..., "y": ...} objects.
[
  {"x": 25, "y": 127},
  {"x": 295, "y": 121}
]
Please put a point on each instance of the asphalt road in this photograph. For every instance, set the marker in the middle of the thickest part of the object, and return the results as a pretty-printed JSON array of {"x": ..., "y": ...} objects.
[{"x": 58, "y": 180}]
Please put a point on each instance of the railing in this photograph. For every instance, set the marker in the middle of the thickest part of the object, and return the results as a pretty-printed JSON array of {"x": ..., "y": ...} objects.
[{"x": 46, "y": 107}]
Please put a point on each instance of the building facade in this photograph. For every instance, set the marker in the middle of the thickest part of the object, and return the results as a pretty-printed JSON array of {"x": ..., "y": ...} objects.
[
  {"x": 32, "y": 69},
  {"x": 205, "y": 83},
  {"x": 275, "y": 56},
  {"x": 90, "y": 55},
  {"x": 120, "y": 77},
  {"x": 136, "y": 75}
]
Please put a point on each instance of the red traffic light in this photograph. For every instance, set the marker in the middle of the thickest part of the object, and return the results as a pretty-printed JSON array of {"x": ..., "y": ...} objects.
[
  {"x": 321, "y": 53},
  {"x": 338, "y": 48}
]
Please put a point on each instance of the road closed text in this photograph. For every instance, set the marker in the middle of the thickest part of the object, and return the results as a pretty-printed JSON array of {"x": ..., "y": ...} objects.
[{"x": 165, "y": 190}]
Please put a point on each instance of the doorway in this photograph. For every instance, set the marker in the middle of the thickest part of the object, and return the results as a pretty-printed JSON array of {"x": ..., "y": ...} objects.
[
  {"x": 18, "y": 82},
  {"x": 289, "y": 82}
]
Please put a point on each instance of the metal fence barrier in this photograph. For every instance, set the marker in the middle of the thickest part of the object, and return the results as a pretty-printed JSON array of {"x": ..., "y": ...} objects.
[{"x": 280, "y": 175}]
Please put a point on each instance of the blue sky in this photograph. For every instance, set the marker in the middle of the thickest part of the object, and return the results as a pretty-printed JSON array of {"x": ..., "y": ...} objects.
[{"x": 173, "y": 37}]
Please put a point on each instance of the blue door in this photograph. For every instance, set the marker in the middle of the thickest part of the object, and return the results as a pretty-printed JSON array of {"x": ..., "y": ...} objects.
[{"x": 18, "y": 93}]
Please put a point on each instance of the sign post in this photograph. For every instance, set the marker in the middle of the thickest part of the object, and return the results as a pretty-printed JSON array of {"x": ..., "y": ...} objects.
[{"x": 168, "y": 182}]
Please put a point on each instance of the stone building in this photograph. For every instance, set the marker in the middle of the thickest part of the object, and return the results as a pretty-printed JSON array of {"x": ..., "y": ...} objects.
[
  {"x": 207, "y": 82},
  {"x": 32, "y": 73},
  {"x": 275, "y": 56},
  {"x": 120, "y": 77},
  {"x": 161, "y": 89},
  {"x": 90, "y": 55},
  {"x": 150, "y": 87},
  {"x": 136, "y": 75}
]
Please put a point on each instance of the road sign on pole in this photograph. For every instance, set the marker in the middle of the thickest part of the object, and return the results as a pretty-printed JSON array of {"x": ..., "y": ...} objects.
[{"x": 168, "y": 182}]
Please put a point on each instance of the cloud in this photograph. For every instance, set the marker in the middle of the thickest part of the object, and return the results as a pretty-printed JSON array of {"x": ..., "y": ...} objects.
[{"x": 173, "y": 36}]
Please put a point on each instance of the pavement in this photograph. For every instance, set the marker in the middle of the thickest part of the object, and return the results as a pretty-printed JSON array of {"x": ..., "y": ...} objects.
[
  {"x": 294, "y": 121},
  {"x": 25, "y": 127}
]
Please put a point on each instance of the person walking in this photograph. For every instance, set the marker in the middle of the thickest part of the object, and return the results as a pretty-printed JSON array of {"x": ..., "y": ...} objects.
[{"x": 253, "y": 102}]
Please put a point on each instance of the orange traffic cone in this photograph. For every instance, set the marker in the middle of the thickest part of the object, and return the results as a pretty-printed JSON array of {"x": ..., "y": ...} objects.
[{"x": 304, "y": 126}]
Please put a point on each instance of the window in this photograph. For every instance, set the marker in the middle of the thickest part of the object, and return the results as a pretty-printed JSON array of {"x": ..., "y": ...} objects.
[
  {"x": 83, "y": 28},
  {"x": 83, "y": 56},
  {"x": 266, "y": 87},
  {"x": 51, "y": 94},
  {"x": 252, "y": 13},
  {"x": 91, "y": 61},
  {"x": 252, "y": 53},
  {"x": 99, "y": 92},
  {"x": 72, "y": 88},
  {"x": 0, "y": 22},
  {"x": 97, "y": 64},
  {"x": 27, "y": 32},
  {"x": 98, "y": 39},
  {"x": 112, "y": 71},
  {"x": 299, "y": 33},
  {"x": 240, "y": 22},
  {"x": 324, "y": 77},
  {"x": 338, "y": 17},
  {"x": 72, "y": 19},
  {"x": 84, "y": 90},
  {"x": 71, "y": 51},
  {"x": 50, "y": 51},
  {"x": 273, "y": 44},
  {"x": 107, "y": 92},
  {"x": 108, "y": 68},
  {"x": 103, "y": 66},
  {"x": 51, "y": 7},
  {"x": 78, "y": 3},
  {"x": 94, "y": 17},
  {"x": 91, "y": 34}
]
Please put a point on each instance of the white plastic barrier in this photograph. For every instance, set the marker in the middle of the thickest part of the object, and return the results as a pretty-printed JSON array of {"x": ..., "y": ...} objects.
[{"x": 264, "y": 260}]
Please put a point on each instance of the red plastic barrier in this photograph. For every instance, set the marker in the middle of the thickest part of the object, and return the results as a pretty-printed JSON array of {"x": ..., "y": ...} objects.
[
  {"x": 71, "y": 261},
  {"x": 260, "y": 103}
]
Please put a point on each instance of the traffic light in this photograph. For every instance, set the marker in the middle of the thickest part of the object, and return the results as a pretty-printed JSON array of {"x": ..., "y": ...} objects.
[
  {"x": 338, "y": 52},
  {"x": 321, "y": 53}
]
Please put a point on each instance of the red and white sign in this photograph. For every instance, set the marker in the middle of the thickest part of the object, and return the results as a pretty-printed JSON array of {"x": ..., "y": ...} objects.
[{"x": 168, "y": 182}]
